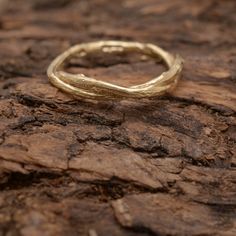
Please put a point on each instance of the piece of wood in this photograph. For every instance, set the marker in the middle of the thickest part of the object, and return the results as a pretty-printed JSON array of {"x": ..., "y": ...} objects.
[{"x": 165, "y": 166}]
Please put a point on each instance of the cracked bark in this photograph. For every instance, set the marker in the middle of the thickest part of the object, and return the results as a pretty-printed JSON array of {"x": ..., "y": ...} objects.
[{"x": 151, "y": 167}]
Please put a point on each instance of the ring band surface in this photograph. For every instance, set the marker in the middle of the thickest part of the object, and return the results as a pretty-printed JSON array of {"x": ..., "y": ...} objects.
[{"x": 82, "y": 86}]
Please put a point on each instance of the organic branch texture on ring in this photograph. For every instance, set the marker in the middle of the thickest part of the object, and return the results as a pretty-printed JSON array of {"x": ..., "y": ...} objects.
[{"x": 81, "y": 86}]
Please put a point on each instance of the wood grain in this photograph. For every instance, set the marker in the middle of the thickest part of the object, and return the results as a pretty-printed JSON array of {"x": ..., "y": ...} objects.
[{"x": 163, "y": 166}]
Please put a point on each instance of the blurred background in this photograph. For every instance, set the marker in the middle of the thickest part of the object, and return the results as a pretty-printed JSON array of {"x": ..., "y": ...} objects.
[{"x": 202, "y": 31}]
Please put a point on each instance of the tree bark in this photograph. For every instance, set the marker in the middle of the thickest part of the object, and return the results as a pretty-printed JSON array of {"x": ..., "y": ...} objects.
[{"x": 163, "y": 166}]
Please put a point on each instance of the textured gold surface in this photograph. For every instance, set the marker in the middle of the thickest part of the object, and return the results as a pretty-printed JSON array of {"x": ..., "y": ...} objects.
[{"x": 82, "y": 86}]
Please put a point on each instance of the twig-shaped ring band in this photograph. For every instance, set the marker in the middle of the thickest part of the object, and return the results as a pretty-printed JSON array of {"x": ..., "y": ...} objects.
[{"x": 83, "y": 86}]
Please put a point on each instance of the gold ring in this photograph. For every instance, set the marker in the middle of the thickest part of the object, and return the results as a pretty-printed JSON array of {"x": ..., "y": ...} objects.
[{"x": 81, "y": 86}]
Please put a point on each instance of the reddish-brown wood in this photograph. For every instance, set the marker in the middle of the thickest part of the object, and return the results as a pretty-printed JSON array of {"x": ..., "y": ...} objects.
[{"x": 164, "y": 166}]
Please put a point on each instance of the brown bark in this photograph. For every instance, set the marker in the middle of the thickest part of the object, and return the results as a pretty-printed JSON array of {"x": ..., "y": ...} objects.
[{"x": 163, "y": 166}]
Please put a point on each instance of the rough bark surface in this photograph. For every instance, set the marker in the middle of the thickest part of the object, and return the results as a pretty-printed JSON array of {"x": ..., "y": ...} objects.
[{"x": 164, "y": 166}]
